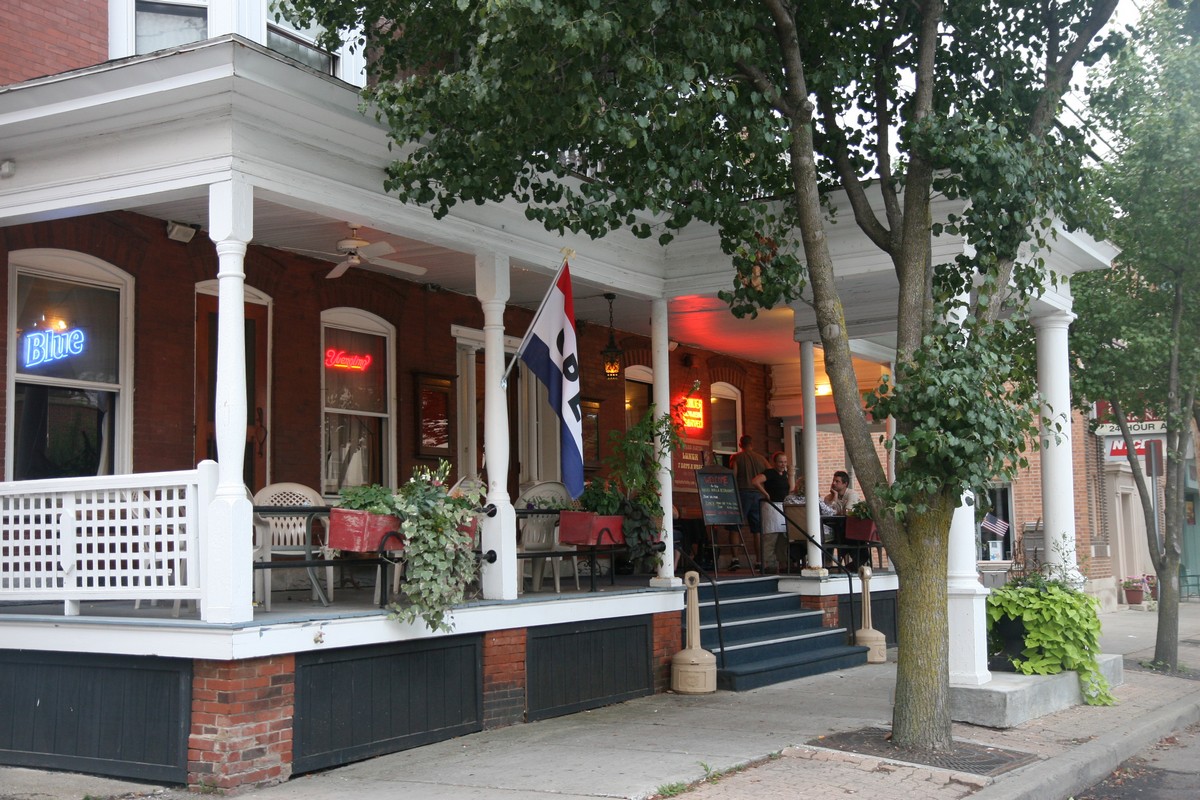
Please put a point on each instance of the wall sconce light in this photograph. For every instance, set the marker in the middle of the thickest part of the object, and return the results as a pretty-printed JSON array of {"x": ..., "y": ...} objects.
[
  {"x": 687, "y": 360},
  {"x": 181, "y": 231},
  {"x": 612, "y": 354}
]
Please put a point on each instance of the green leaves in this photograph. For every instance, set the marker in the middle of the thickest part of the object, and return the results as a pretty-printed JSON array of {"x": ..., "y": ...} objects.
[
  {"x": 439, "y": 557},
  {"x": 1062, "y": 632}
]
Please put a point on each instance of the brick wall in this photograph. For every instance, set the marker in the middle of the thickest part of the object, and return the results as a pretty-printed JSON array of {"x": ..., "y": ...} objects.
[
  {"x": 242, "y": 714},
  {"x": 667, "y": 634},
  {"x": 38, "y": 38},
  {"x": 825, "y": 603},
  {"x": 504, "y": 678}
]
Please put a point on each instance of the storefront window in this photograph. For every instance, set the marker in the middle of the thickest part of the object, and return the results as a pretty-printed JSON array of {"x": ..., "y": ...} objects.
[
  {"x": 357, "y": 392},
  {"x": 67, "y": 378}
]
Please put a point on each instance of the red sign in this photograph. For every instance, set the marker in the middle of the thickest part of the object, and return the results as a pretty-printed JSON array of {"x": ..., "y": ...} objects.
[
  {"x": 340, "y": 359},
  {"x": 1117, "y": 449},
  {"x": 692, "y": 415}
]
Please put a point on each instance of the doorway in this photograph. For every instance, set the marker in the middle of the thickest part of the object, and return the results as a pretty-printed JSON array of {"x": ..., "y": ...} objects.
[{"x": 254, "y": 469}]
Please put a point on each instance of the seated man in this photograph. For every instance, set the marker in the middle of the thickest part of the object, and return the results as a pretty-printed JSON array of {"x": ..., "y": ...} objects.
[{"x": 841, "y": 497}]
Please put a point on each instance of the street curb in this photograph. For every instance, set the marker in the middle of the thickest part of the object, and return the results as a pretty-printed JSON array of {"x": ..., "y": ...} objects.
[{"x": 1061, "y": 777}]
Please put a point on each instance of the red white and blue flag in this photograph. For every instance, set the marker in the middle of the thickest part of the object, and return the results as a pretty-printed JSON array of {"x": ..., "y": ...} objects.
[
  {"x": 551, "y": 352},
  {"x": 994, "y": 525}
]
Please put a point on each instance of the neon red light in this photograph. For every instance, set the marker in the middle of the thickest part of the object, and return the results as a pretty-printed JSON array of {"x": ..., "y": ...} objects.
[
  {"x": 693, "y": 413},
  {"x": 340, "y": 359}
]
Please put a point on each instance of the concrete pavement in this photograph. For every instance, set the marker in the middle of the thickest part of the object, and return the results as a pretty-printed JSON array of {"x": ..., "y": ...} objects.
[{"x": 754, "y": 741}]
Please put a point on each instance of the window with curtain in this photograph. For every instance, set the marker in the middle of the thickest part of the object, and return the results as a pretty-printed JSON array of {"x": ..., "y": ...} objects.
[{"x": 356, "y": 408}]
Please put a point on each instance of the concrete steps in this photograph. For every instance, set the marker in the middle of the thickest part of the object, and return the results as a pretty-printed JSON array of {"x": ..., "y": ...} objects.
[{"x": 768, "y": 637}]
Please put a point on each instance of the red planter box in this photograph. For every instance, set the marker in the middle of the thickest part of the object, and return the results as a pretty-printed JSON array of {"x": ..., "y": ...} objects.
[
  {"x": 360, "y": 531},
  {"x": 861, "y": 530},
  {"x": 585, "y": 529}
]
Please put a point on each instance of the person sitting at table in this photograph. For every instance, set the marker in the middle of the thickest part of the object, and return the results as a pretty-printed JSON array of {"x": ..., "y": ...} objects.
[
  {"x": 772, "y": 484},
  {"x": 841, "y": 497}
]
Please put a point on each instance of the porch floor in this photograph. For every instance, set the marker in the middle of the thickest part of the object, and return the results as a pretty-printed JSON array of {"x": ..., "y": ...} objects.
[{"x": 353, "y": 597}]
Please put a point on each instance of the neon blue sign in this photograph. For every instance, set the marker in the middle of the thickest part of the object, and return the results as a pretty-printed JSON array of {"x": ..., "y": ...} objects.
[{"x": 42, "y": 347}]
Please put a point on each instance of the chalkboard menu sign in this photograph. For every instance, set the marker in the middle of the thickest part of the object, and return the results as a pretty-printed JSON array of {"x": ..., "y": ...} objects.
[{"x": 718, "y": 496}]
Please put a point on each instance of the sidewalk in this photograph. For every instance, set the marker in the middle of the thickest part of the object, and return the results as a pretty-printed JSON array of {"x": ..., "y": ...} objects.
[{"x": 638, "y": 748}]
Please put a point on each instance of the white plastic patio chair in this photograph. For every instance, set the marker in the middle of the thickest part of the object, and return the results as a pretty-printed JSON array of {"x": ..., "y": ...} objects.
[
  {"x": 540, "y": 534},
  {"x": 289, "y": 536}
]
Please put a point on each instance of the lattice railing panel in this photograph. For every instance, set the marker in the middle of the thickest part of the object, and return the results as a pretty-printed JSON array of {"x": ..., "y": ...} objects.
[{"x": 128, "y": 536}]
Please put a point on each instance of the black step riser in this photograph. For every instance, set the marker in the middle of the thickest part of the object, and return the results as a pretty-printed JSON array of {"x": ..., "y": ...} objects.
[
  {"x": 750, "y": 608},
  {"x": 760, "y": 629},
  {"x": 741, "y": 682},
  {"x": 780, "y": 649},
  {"x": 738, "y": 588}
]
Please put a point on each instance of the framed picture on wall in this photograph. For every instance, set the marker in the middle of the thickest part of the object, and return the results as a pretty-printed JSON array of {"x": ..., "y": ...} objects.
[{"x": 435, "y": 415}]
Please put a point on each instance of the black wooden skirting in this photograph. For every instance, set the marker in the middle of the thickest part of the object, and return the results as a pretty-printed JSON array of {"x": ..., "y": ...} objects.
[
  {"x": 124, "y": 716},
  {"x": 358, "y": 702},
  {"x": 576, "y": 666}
]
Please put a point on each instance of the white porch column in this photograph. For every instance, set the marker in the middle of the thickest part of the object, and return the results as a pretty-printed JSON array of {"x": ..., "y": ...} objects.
[
  {"x": 967, "y": 601},
  {"x": 808, "y": 435},
  {"x": 1058, "y": 478},
  {"x": 227, "y": 580},
  {"x": 499, "y": 533},
  {"x": 660, "y": 362}
]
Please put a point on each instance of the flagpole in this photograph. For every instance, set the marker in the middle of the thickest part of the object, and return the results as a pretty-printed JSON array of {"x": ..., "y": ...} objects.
[{"x": 568, "y": 253}]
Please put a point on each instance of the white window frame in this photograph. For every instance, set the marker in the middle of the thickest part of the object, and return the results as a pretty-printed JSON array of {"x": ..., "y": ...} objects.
[
  {"x": 73, "y": 267},
  {"x": 354, "y": 319},
  {"x": 538, "y": 425},
  {"x": 727, "y": 391},
  {"x": 246, "y": 18}
]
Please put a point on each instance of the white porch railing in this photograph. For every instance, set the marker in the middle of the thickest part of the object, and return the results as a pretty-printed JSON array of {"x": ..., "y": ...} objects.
[{"x": 112, "y": 537}]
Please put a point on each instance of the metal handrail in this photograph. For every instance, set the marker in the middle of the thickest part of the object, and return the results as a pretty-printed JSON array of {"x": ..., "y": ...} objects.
[{"x": 829, "y": 559}]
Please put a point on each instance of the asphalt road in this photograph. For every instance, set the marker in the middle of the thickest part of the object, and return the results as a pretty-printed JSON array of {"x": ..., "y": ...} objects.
[{"x": 1168, "y": 770}]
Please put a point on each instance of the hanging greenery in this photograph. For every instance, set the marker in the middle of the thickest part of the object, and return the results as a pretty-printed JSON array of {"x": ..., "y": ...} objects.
[{"x": 439, "y": 556}]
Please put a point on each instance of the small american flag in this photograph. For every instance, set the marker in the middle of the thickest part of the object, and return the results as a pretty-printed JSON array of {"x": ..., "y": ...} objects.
[{"x": 994, "y": 525}]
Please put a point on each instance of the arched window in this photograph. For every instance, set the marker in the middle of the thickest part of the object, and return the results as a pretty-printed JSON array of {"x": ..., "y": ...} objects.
[
  {"x": 725, "y": 413},
  {"x": 70, "y": 366},
  {"x": 358, "y": 390},
  {"x": 639, "y": 393}
]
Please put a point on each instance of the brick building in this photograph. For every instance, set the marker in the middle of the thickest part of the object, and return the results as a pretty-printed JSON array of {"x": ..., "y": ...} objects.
[{"x": 177, "y": 181}]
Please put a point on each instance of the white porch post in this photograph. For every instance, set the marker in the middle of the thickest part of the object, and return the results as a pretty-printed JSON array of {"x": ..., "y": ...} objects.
[
  {"x": 227, "y": 578},
  {"x": 967, "y": 601},
  {"x": 1058, "y": 480},
  {"x": 660, "y": 362},
  {"x": 499, "y": 533},
  {"x": 808, "y": 435}
]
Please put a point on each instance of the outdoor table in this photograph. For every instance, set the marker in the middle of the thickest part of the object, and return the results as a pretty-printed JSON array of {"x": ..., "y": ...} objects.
[{"x": 309, "y": 562}]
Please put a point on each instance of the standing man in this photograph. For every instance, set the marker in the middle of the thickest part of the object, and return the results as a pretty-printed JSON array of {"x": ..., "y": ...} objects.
[{"x": 748, "y": 465}]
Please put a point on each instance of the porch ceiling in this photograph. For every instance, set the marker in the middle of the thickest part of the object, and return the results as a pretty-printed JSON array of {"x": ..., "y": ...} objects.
[{"x": 149, "y": 134}]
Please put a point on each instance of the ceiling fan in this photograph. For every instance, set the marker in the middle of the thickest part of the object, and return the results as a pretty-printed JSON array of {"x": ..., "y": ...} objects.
[{"x": 359, "y": 253}]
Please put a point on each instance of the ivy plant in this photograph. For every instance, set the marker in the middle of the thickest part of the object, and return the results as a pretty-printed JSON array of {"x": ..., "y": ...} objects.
[
  {"x": 439, "y": 546},
  {"x": 1062, "y": 631},
  {"x": 372, "y": 498}
]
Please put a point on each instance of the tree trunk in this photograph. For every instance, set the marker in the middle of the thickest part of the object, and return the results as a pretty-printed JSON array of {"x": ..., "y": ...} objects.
[{"x": 921, "y": 714}]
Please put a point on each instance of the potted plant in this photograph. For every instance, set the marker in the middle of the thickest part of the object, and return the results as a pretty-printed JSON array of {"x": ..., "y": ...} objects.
[
  {"x": 600, "y": 522},
  {"x": 1135, "y": 589},
  {"x": 633, "y": 489},
  {"x": 1061, "y": 631},
  {"x": 361, "y": 519},
  {"x": 859, "y": 525},
  {"x": 437, "y": 527}
]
